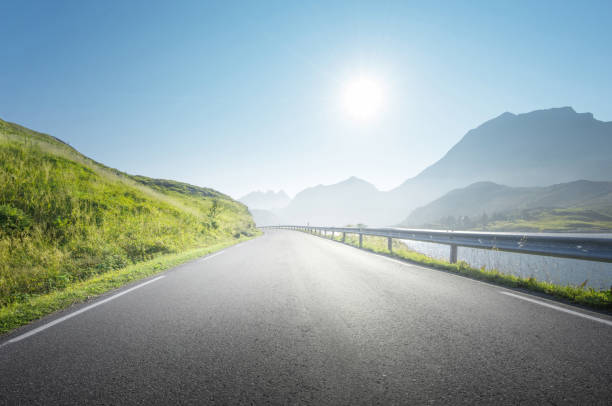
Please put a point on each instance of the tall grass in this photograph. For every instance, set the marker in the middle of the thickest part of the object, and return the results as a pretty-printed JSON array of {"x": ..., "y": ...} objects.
[
  {"x": 65, "y": 218},
  {"x": 19, "y": 313}
]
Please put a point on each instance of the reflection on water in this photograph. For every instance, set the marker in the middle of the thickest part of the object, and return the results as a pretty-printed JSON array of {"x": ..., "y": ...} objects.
[{"x": 556, "y": 270}]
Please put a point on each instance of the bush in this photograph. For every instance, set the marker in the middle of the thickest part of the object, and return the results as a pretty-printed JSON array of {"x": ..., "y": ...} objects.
[{"x": 13, "y": 219}]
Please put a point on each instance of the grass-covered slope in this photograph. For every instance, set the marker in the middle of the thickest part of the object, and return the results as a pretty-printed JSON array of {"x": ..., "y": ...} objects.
[
  {"x": 65, "y": 218},
  {"x": 554, "y": 220},
  {"x": 580, "y": 206}
]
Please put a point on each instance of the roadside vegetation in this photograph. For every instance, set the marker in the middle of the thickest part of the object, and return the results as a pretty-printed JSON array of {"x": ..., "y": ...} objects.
[
  {"x": 556, "y": 220},
  {"x": 598, "y": 299},
  {"x": 533, "y": 220},
  {"x": 65, "y": 218},
  {"x": 22, "y": 312}
]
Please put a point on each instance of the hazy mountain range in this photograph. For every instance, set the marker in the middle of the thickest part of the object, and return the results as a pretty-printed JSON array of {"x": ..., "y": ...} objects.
[
  {"x": 265, "y": 217},
  {"x": 540, "y": 148},
  {"x": 266, "y": 200},
  {"x": 348, "y": 202}
]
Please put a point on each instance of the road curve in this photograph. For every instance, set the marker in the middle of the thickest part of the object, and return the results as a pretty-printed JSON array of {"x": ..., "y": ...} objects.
[{"x": 292, "y": 318}]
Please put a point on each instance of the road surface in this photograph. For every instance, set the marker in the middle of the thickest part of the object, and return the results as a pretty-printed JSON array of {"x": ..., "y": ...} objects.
[{"x": 290, "y": 318}]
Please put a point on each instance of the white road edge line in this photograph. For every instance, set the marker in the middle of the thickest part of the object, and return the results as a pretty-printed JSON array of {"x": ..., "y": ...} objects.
[
  {"x": 213, "y": 255},
  {"x": 559, "y": 308},
  {"x": 76, "y": 313}
]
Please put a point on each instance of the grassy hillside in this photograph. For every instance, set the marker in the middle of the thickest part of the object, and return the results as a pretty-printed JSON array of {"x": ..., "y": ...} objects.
[
  {"x": 553, "y": 220},
  {"x": 65, "y": 217},
  {"x": 575, "y": 206}
]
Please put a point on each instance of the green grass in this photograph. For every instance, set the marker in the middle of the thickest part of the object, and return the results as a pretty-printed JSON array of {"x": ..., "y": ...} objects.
[
  {"x": 598, "y": 299},
  {"x": 36, "y": 306},
  {"x": 575, "y": 219},
  {"x": 557, "y": 220},
  {"x": 65, "y": 219}
]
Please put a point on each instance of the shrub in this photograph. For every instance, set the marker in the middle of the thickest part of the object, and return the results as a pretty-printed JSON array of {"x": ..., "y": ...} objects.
[{"x": 13, "y": 219}]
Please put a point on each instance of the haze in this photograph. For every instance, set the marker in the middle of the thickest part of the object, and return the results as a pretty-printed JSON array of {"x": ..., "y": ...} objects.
[
  {"x": 244, "y": 96},
  {"x": 305, "y": 202}
]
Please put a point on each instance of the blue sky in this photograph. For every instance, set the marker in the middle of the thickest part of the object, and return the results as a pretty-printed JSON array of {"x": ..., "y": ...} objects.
[{"x": 243, "y": 96}]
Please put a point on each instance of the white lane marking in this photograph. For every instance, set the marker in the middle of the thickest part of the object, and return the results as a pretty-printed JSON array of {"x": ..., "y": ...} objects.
[
  {"x": 559, "y": 308},
  {"x": 399, "y": 262},
  {"x": 76, "y": 313},
  {"x": 213, "y": 255},
  {"x": 68, "y": 316}
]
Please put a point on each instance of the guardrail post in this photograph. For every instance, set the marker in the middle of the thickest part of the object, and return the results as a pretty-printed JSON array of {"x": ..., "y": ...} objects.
[
  {"x": 332, "y": 234},
  {"x": 360, "y": 240},
  {"x": 390, "y": 244},
  {"x": 453, "y": 254},
  {"x": 343, "y": 237}
]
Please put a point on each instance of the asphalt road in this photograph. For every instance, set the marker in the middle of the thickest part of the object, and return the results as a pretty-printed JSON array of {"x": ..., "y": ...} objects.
[{"x": 291, "y": 318}]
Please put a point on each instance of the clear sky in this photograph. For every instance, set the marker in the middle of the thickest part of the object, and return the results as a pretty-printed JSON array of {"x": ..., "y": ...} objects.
[{"x": 243, "y": 96}]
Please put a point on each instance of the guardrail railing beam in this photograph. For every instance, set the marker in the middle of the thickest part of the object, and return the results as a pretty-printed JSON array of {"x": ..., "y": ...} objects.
[{"x": 560, "y": 246}]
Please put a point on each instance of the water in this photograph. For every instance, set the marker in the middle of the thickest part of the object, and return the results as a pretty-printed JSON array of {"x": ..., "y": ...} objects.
[{"x": 561, "y": 271}]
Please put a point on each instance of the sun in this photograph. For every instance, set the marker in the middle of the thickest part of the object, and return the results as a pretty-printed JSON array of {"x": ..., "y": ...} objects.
[{"x": 363, "y": 98}]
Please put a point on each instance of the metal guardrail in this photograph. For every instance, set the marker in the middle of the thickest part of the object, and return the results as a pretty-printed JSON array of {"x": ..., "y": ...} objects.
[{"x": 579, "y": 247}]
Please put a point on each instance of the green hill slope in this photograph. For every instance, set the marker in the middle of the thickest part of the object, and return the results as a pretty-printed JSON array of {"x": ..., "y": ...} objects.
[
  {"x": 575, "y": 206},
  {"x": 65, "y": 217}
]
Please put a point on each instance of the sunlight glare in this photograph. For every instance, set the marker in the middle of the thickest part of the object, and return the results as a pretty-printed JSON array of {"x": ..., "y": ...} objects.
[{"x": 363, "y": 98}]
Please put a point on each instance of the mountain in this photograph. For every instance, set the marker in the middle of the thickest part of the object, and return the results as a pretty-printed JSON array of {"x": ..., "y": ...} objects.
[
  {"x": 539, "y": 148},
  {"x": 265, "y": 218},
  {"x": 65, "y": 217},
  {"x": 488, "y": 202},
  {"x": 348, "y": 202},
  {"x": 266, "y": 200}
]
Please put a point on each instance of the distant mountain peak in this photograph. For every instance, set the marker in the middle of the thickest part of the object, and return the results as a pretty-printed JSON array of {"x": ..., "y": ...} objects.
[
  {"x": 354, "y": 180},
  {"x": 280, "y": 193},
  {"x": 566, "y": 112},
  {"x": 541, "y": 147},
  {"x": 552, "y": 113},
  {"x": 266, "y": 200},
  {"x": 506, "y": 114}
]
